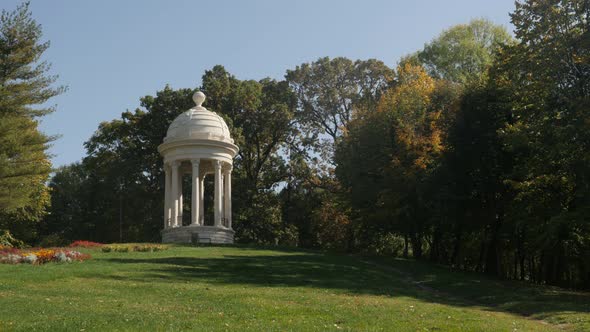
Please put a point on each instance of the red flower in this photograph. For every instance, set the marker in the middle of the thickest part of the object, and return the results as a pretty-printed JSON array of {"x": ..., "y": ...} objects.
[{"x": 85, "y": 244}]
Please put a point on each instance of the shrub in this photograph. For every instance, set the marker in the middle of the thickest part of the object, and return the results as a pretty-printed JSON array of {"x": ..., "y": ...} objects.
[
  {"x": 122, "y": 249},
  {"x": 115, "y": 248},
  {"x": 52, "y": 240},
  {"x": 386, "y": 245},
  {"x": 133, "y": 247},
  {"x": 7, "y": 240},
  {"x": 149, "y": 247}
]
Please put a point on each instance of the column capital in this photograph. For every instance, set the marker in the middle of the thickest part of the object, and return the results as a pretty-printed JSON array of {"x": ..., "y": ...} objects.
[
  {"x": 217, "y": 164},
  {"x": 175, "y": 163},
  {"x": 195, "y": 162}
]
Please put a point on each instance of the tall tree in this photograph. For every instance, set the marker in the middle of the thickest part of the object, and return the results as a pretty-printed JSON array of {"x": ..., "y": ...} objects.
[
  {"x": 125, "y": 169},
  {"x": 475, "y": 170},
  {"x": 463, "y": 53},
  {"x": 548, "y": 76},
  {"x": 386, "y": 158},
  {"x": 261, "y": 115},
  {"x": 329, "y": 90},
  {"x": 24, "y": 85}
]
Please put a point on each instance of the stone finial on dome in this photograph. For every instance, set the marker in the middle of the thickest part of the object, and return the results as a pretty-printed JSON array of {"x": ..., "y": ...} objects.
[{"x": 198, "y": 98}]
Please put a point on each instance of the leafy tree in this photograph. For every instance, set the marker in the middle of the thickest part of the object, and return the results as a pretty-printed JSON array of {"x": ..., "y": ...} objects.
[
  {"x": 329, "y": 90},
  {"x": 463, "y": 53},
  {"x": 24, "y": 85},
  {"x": 71, "y": 214},
  {"x": 386, "y": 157},
  {"x": 548, "y": 76},
  {"x": 261, "y": 117},
  {"x": 122, "y": 176},
  {"x": 116, "y": 193},
  {"x": 475, "y": 168},
  {"x": 330, "y": 93},
  {"x": 126, "y": 169}
]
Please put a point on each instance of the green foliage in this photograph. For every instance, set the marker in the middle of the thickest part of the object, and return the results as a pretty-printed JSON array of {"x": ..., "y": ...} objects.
[
  {"x": 463, "y": 53},
  {"x": 24, "y": 84},
  {"x": 24, "y": 166},
  {"x": 71, "y": 204},
  {"x": 116, "y": 192},
  {"x": 388, "y": 244},
  {"x": 472, "y": 180},
  {"x": 52, "y": 240},
  {"x": 330, "y": 90},
  {"x": 23, "y": 80},
  {"x": 131, "y": 247},
  {"x": 387, "y": 158},
  {"x": 331, "y": 224},
  {"x": 7, "y": 240},
  {"x": 490, "y": 174},
  {"x": 122, "y": 174},
  {"x": 547, "y": 76},
  {"x": 261, "y": 118}
]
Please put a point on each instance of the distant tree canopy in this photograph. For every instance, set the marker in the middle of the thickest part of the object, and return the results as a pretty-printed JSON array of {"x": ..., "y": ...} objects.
[
  {"x": 24, "y": 85},
  {"x": 463, "y": 53},
  {"x": 473, "y": 152}
]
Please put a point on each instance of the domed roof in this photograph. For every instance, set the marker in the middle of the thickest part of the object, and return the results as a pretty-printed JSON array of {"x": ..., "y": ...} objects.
[{"x": 198, "y": 123}]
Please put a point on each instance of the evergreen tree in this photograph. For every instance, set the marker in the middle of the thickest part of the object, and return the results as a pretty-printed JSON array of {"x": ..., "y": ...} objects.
[{"x": 24, "y": 85}]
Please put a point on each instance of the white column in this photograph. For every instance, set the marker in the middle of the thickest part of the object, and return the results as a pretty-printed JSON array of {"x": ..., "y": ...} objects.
[
  {"x": 174, "y": 194},
  {"x": 180, "y": 201},
  {"x": 202, "y": 200},
  {"x": 196, "y": 193},
  {"x": 222, "y": 196},
  {"x": 217, "y": 197},
  {"x": 167, "y": 205},
  {"x": 227, "y": 195}
]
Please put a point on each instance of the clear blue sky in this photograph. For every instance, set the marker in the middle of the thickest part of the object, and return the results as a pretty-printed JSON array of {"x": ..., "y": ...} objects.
[{"x": 110, "y": 53}]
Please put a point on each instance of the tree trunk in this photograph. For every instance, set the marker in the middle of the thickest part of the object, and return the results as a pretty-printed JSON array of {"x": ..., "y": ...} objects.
[
  {"x": 493, "y": 256},
  {"x": 456, "y": 245},
  {"x": 416, "y": 245},
  {"x": 435, "y": 246},
  {"x": 406, "y": 245}
]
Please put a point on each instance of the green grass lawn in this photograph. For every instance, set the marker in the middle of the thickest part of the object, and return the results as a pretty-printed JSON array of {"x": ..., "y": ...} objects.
[{"x": 242, "y": 288}]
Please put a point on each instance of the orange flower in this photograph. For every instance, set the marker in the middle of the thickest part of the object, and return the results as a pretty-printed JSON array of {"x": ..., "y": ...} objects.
[{"x": 44, "y": 255}]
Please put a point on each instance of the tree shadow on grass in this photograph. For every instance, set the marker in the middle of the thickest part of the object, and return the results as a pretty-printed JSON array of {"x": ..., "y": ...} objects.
[
  {"x": 352, "y": 275},
  {"x": 519, "y": 297}
]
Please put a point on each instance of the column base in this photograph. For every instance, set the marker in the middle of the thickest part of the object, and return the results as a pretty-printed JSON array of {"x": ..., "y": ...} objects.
[{"x": 198, "y": 234}]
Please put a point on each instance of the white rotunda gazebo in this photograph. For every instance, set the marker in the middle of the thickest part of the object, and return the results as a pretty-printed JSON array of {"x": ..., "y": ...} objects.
[{"x": 198, "y": 144}]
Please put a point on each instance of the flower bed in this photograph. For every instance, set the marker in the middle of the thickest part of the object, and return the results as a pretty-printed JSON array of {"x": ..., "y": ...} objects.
[
  {"x": 85, "y": 244},
  {"x": 133, "y": 247},
  {"x": 40, "y": 255}
]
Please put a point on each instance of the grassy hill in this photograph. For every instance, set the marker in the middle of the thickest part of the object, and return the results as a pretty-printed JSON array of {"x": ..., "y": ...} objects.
[{"x": 241, "y": 288}]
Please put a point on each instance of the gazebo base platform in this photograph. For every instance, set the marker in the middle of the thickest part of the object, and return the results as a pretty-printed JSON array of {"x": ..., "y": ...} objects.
[{"x": 198, "y": 235}]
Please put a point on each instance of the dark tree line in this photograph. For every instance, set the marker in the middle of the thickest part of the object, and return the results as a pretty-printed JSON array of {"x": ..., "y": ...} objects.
[
  {"x": 473, "y": 152},
  {"x": 488, "y": 172}
]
